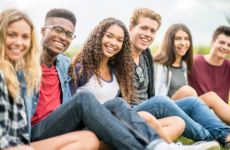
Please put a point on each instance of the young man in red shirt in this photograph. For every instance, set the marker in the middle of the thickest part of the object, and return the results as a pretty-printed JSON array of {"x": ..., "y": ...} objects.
[{"x": 210, "y": 74}]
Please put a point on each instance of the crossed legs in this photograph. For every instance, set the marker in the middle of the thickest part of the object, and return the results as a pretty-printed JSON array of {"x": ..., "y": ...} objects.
[
  {"x": 221, "y": 109},
  {"x": 169, "y": 128}
]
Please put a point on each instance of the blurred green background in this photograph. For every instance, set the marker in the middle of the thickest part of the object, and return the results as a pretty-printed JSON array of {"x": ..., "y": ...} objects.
[
  {"x": 197, "y": 50},
  {"x": 72, "y": 51}
]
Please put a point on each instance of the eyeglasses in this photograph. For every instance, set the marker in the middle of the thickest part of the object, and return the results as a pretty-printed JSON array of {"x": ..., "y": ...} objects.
[
  {"x": 59, "y": 31},
  {"x": 141, "y": 76}
]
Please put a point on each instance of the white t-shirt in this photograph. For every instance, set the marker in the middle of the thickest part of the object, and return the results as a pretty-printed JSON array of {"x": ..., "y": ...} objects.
[{"x": 109, "y": 90}]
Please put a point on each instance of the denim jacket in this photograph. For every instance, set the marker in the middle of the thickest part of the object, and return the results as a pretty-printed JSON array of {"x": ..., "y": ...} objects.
[
  {"x": 161, "y": 84},
  {"x": 31, "y": 102}
]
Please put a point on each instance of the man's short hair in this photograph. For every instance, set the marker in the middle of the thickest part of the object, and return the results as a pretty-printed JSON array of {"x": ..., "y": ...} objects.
[
  {"x": 145, "y": 12},
  {"x": 61, "y": 13},
  {"x": 221, "y": 30}
]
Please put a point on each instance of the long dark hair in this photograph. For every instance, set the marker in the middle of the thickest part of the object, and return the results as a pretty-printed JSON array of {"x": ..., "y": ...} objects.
[
  {"x": 91, "y": 56},
  {"x": 167, "y": 52}
]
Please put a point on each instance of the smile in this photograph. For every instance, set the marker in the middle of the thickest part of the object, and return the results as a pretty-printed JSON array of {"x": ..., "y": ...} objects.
[
  {"x": 110, "y": 48},
  {"x": 16, "y": 50},
  {"x": 222, "y": 51},
  {"x": 144, "y": 40},
  {"x": 182, "y": 48},
  {"x": 59, "y": 44}
]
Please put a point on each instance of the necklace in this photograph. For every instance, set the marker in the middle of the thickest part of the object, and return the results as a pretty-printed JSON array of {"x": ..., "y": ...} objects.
[{"x": 105, "y": 71}]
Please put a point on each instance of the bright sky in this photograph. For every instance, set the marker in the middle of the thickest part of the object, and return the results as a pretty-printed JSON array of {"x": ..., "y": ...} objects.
[{"x": 202, "y": 17}]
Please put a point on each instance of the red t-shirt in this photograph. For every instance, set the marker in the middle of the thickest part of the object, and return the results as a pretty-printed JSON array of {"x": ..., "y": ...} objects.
[
  {"x": 205, "y": 77},
  {"x": 50, "y": 94}
]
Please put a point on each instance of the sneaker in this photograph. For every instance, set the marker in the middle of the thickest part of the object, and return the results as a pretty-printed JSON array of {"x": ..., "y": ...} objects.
[
  {"x": 227, "y": 145},
  {"x": 213, "y": 145}
]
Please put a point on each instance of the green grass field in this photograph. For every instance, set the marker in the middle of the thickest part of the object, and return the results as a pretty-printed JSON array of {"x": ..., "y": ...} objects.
[{"x": 186, "y": 141}]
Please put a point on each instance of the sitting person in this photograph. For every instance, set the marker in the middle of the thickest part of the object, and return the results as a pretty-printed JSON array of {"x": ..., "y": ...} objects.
[
  {"x": 55, "y": 113},
  {"x": 144, "y": 24},
  {"x": 172, "y": 63},
  {"x": 65, "y": 114},
  {"x": 19, "y": 52},
  {"x": 210, "y": 74},
  {"x": 99, "y": 71}
]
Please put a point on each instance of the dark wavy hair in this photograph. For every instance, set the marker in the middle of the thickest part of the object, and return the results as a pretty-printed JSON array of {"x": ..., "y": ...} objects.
[
  {"x": 167, "y": 52},
  {"x": 91, "y": 56}
]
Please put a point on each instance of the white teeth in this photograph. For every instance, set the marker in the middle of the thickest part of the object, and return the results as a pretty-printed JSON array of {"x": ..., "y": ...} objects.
[
  {"x": 16, "y": 50},
  {"x": 110, "y": 48},
  {"x": 144, "y": 40},
  {"x": 182, "y": 48},
  {"x": 59, "y": 44}
]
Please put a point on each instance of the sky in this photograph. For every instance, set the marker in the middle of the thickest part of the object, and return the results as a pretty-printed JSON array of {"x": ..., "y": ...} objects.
[{"x": 202, "y": 17}]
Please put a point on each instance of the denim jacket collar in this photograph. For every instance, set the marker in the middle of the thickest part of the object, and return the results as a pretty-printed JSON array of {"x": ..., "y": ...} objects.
[{"x": 31, "y": 103}]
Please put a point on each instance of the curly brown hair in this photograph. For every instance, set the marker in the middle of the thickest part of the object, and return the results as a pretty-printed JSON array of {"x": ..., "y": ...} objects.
[{"x": 91, "y": 55}]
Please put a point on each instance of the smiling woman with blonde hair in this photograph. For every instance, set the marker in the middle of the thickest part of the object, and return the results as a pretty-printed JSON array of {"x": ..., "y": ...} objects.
[
  {"x": 30, "y": 62},
  {"x": 19, "y": 52}
]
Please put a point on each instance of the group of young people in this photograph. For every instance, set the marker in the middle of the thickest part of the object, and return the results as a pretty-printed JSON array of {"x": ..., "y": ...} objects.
[{"x": 113, "y": 94}]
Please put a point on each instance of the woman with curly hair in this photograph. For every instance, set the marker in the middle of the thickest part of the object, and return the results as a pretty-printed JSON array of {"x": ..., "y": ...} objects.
[
  {"x": 106, "y": 58},
  {"x": 104, "y": 66}
]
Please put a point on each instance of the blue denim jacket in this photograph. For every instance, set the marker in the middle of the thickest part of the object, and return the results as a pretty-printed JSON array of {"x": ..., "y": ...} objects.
[
  {"x": 160, "y": 76},
  {"x": 31, "y": 102}
]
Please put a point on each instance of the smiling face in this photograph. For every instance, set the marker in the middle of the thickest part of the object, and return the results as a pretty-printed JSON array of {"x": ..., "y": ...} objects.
[
  {"x": 18, "y": 40},
  {"x": 143, "y": 34},
  {"x": 54, "y": 44},
  {"x": 181, "y": 43},
  {"x": 112, "y": 41},
  {"x": 221, "y": 46}
]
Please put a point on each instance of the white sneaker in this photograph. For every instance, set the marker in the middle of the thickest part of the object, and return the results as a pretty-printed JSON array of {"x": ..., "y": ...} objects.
[{"x": 213, "y": 145}]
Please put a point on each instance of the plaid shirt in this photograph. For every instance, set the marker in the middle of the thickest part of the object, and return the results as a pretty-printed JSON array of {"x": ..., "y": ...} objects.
[{"x": 13, "y": 123}]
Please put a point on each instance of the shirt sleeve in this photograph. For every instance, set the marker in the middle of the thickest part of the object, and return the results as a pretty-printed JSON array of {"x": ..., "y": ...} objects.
[{"x": 5, "y": 139}]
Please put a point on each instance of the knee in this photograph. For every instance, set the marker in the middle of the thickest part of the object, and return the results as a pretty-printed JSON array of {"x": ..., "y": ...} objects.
[
  {"x": 117, "y": 104},
  {"x": 160, "y": 100},
  {"x": 147, "y": 116},
  {"x": 188, "y": 90},
  {"x": 120, "y": 102},
  {"x": 195, "y": 101},
  {"x": 150, "y": 119},
  {"x": 210, "y": 95},
  {"x": 91, "y": 141},
  {"x": 83, "y": 94},
  {"x": 84, "y": 97},
  {"x": 180, "y": 122}
]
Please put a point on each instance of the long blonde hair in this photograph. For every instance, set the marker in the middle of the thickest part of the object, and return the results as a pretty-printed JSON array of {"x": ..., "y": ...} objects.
[{"x": 30, "y": 63}]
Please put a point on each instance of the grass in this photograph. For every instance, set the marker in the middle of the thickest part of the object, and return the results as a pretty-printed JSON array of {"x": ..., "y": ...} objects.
[{"x": 186, "y": 141}]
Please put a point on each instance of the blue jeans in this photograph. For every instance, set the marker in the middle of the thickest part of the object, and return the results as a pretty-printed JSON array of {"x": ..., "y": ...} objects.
[
  {"x": 201, "y": 123},
  {"x": 83, "y": 110}
]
